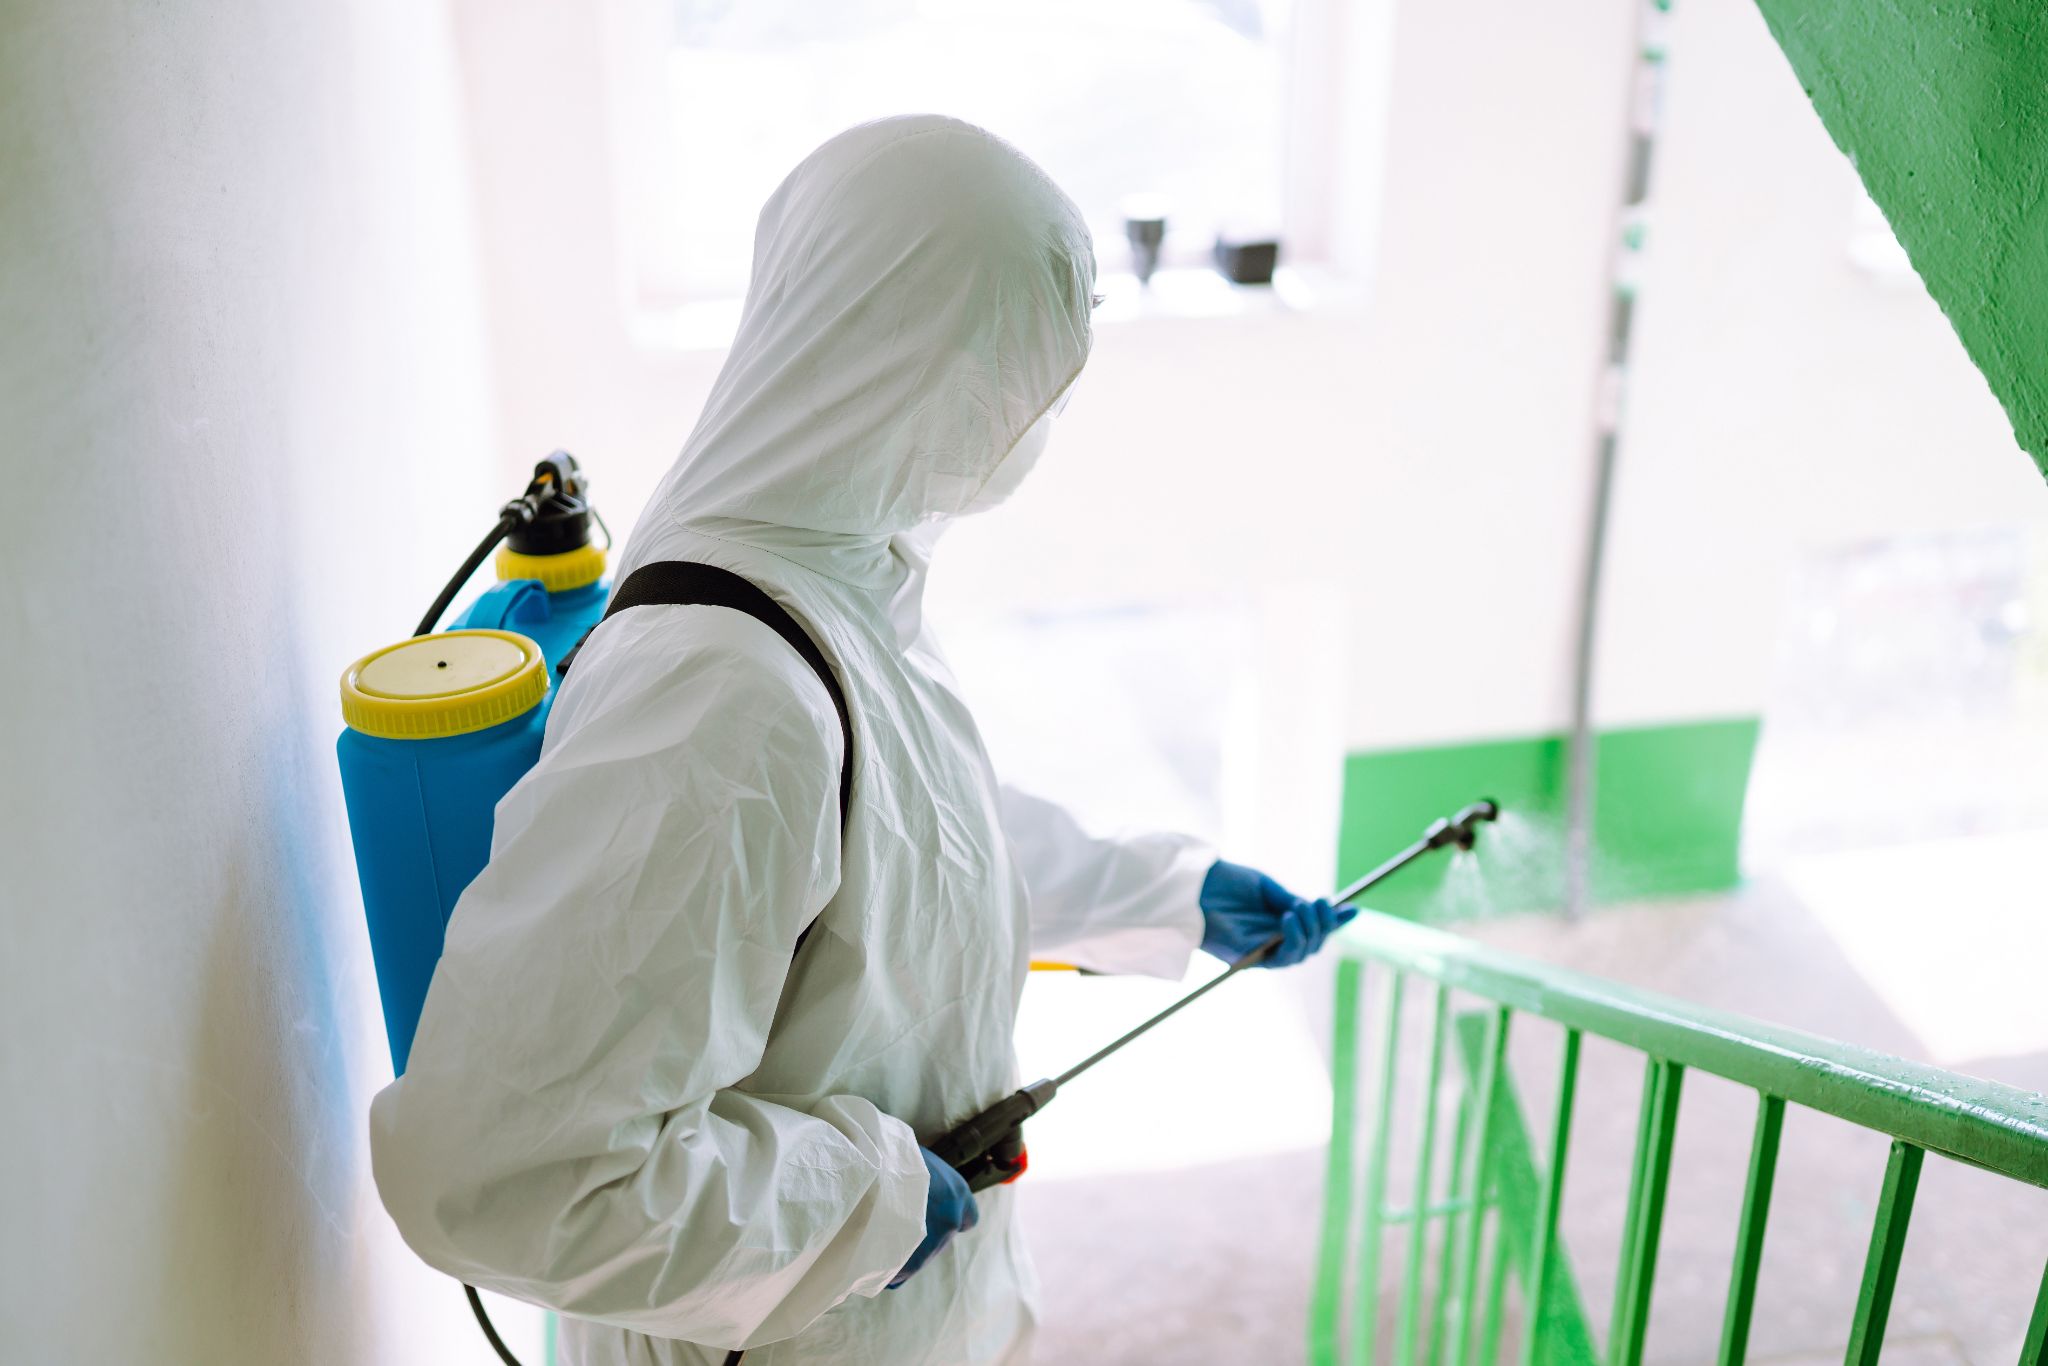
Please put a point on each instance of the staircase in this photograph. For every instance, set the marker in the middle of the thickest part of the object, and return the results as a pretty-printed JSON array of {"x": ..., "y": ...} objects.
[{"x": 1441, "y": 1236}]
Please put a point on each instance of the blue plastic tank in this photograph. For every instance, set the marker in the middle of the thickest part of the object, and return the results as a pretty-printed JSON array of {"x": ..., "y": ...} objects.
[
  {"x": 553, "y": 599},
  {"x": 553, "y": 621},
  {"x": 439, "y": 728}
]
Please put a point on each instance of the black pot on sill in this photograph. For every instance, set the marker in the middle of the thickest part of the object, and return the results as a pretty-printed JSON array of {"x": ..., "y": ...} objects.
[{"x": 1247, "y": 262}]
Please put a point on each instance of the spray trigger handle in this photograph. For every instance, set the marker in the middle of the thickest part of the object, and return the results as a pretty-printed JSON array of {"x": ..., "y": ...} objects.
[{"x": 988, "y": 1149}]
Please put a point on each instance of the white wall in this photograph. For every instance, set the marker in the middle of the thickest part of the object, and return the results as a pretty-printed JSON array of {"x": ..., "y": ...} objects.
[
  {"x": 1421, "y": 452},
  {"x": 1785, "y": 399},
  {"x": 242, "y": 374},
  {"x": 548, "y": 187},
  {"x": 1425, "y": 456},
  {"x": 1432, "y": 455}
]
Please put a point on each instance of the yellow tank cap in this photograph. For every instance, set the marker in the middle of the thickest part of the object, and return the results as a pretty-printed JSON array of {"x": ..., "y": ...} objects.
[
  {"x": 446, "y": 684},
  {"x": 576, "y": 568}
]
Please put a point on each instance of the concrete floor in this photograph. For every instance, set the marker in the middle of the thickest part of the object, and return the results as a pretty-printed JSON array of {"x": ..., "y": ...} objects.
[{"x": 1212, "y": 1262}]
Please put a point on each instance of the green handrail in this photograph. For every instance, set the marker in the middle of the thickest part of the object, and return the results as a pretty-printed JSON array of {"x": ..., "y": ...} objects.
[{"x": 1922, "y": 1109}]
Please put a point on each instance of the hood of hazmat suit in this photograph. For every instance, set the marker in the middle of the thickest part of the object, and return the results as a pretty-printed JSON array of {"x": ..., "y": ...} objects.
[{"x": 631, "y": 1098}]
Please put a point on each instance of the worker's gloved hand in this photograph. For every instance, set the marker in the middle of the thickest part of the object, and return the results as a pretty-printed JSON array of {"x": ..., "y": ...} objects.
[
  {"x": 949, "y": 1208},
  {"x": 1242, "y": 908}
]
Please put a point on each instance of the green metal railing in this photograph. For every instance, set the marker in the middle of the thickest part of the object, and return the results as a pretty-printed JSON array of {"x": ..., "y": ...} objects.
[{"x": 1495, "y": 1170}]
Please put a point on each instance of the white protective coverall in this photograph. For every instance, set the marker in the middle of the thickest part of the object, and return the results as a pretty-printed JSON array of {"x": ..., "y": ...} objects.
[{"x": 626, "y": 1101}]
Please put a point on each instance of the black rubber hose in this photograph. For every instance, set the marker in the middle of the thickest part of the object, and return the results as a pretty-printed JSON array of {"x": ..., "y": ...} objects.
[
  {"x": 483, "y": 1320},
  {"x": 476, "y": 557}
]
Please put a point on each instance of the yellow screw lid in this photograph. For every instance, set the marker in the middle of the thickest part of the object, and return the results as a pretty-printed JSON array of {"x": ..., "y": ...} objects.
[
  {"x": 557, "y": 573},
  {"x": 446, "y": 684}
]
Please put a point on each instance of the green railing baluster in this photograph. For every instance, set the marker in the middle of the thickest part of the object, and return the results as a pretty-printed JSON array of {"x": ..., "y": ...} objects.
[
  {"x": 1474, "y": 1224},
  {"x": 1538, "y": 1284},
  {"x": 1749, "y": 1234},
  {"x": 1887, "y": 1246},
  {"x": 1632, "y": 1211},
  {"x": 1425, "y": 1160},
  {"x": 1365, "y": 1330},
  {"x": 1455, "y": 1198},
  {"x": 2035, "y": 1350},
  {"x": 1325, "y": 1308},
  {"x": 1636, "y": 1275},
  {"x": 1496, "y": 1294}
]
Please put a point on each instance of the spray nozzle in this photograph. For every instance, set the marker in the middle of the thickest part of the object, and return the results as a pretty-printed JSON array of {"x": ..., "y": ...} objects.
[
  {"x": 1465, "y": 825},
  {"x": 1463, "y": 828}
]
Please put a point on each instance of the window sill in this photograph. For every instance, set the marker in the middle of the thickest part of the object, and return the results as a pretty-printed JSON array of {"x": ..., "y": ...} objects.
[
  {"x": 1175, "y": 293},
  {"x": 1198, "y": 292}
]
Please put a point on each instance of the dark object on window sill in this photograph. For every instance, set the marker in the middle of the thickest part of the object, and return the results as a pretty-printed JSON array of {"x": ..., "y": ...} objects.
[
  {"x": 1146, "y": 235},
  {"x": 1247, "y": 263}
]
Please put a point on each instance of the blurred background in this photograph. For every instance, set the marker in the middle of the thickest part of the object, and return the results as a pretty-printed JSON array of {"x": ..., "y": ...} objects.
[{"x": 295, "y": 298}]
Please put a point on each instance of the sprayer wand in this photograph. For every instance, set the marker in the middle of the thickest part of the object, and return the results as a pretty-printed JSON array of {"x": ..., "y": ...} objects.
[{"x": 988, "y": 1149}]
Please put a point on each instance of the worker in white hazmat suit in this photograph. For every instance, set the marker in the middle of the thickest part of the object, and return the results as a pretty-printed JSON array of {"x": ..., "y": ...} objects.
[{"x": 632, "y": 1098}]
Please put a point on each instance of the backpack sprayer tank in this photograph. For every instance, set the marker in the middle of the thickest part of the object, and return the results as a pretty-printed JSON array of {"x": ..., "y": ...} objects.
[{"x": 440, "y": 726}]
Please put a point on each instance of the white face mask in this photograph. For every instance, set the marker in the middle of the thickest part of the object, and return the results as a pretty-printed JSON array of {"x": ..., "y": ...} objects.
[{"x": 1015, "y": 466}]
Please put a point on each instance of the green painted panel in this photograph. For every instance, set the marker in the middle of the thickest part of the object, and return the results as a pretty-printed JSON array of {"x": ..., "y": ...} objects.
[
  {"x": 1667, "y": 817},
  {"x": 1943, "y": 109},
  {"x": 1667, "y": 814}
]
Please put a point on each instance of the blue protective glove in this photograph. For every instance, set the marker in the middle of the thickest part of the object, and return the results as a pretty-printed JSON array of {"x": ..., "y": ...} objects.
[
  {"x": 949, "y": 1208},
  {"x": 1242, "y": 908}
]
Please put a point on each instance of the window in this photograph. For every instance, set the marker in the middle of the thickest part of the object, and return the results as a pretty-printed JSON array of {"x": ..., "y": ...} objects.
[
  {"x": 1909, "y": 697},
  {"x": 1184, "y": 99}
]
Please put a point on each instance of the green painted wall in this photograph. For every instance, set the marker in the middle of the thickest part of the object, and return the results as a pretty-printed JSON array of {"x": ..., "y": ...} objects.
[
  {"x": 1667, "y": 817},
  {"x": 1943, "y": 108}
]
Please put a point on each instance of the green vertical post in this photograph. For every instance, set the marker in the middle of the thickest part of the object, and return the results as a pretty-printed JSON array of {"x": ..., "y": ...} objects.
[
  {"x": 1749, "y": 1234},
  {"x": 1496, "y": 1294},
  {"x": 2034, "y": 1352},
  {"x": 1457, "y": 1196},
  {"x": 1887, "y": 1246},
  {"x": 1474, "y": 1225},
  {"x": 1365, "y": 1331},
  {"x": 1425, "y": 1160},
  {"x": 1632, "y": 1211},
  {"x": 1326, "y": 1306},
  {"x": 1655, "y": 1130},
  {"x": 1552, "y": 1199}
]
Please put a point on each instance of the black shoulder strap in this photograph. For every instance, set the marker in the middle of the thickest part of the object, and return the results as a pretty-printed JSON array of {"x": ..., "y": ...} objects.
[{"x": 683, "y": 583}]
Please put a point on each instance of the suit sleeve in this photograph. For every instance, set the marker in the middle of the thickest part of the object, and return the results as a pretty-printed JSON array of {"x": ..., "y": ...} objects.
[
  {"x": 1129, "y": 904},
  {"x": 567, "y": 1130}
]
